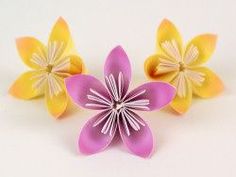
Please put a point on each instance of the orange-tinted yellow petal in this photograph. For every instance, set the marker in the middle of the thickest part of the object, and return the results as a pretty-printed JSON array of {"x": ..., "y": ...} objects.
[
  {"x": 76, "y": 65},
  {"x": 27, "y": 46},
  {"x": 181, "y": 104},
  {"x": 56, "y": 104},
  {"x": 211, "y": 86},
  {"x": 61, "y": 33},
  {"x": 151, "y": 70},
  {"x": 168, "y": 32},
  {"x": 24, "y": 86},
  {"x": 205, "y": 44}
]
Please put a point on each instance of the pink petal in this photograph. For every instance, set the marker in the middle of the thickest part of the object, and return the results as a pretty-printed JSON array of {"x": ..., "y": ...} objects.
[
  {"x": 138, "y": 142},
  {"x": 91, "y": 140},
  {"x": 118, "y": 62},
  {"x": 159, "y": 95},
  {"x": 79, "y": 87}
]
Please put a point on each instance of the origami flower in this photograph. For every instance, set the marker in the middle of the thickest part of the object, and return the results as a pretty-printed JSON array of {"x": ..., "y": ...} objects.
[
  {"x": 181, "y": 66},
  {"x": 117, "y": 106},
  {"x": 50, "y": 65}
]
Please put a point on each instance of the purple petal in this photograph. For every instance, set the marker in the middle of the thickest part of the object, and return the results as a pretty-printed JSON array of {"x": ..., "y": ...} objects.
[
  {"x": 80, "y": 87},
  {"x": 138, "y": 142},
  {"x": 151, "y": 96},
  {"x": 118, "y": 62},
  {"x": 91, "y": 139}
]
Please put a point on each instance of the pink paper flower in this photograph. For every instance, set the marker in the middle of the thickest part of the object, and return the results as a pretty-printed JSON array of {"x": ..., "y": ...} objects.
[{"x": 117, "y": 106}]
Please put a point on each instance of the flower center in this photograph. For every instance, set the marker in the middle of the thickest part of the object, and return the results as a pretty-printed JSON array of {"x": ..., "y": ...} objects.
[
  {"x": 182, "y": 66},
  {"x": 49, "y": 68},
  {"x": 118, "y": 105}
]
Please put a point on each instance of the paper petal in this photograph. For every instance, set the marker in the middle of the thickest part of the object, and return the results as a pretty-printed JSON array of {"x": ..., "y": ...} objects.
[
  {"x": 118, "y": 61},
  {"x": 91, "y": 140},
  {"x": 139, "y": 142},
  {"x": 79, "y": 86},
  {"x": 61, "y": 33},
  {"x": 168, "y": 32},
  {"x": 159, "y": 94},
  {"x": 70, "y": 65},
  {"x": 27, "y": 46},
  {"x": 211, "y": 86},
  {"x": 23, "y": 87},
  {"x": 182, "y": 104},
  {"x": 56, "y": 104},
  {"x": 152, "y": 72},
  {"x": 205, "y": 44}
]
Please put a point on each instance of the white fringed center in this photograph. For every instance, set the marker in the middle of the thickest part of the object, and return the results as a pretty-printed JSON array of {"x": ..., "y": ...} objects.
[
  {"x": 176, "y": 62},
  {"x": 52, "y": 65},
  {"x": 119, "y": 106}
]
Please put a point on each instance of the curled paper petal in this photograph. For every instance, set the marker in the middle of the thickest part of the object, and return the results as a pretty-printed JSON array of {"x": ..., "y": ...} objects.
[
  {"x": 154, "y": 72},
  {"x": 56, "y": 104},
  {"x": 28, "y": 47},
  {"x": 167, "y": 32},
  {"x": 118, "y": 62},
  {"x": 138, "y": 142},
  {"x": 24, "y": 86},
  {"x": 91, "y": 139},
  {"x": 205, "y": 45},
  {"x": 158, "y": 94},
  {"x": 181, "y": 103},
  {"x": 79, "y": 87},
  {"x": 211, "y": 86}
]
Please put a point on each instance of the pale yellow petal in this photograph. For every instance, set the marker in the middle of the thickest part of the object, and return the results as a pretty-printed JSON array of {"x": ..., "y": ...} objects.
[
  {"x": 211, "y": 86},
  {"x": 205, "y": 44},
  {"x": 32, "y": 51},
  {"x": 167, "y": 32},
  {"x": 152, "y": 71},
  {"x": 56, "y": 104},
  {"x": 25, "y": 87},
  {"x": 182, "y": 103}
]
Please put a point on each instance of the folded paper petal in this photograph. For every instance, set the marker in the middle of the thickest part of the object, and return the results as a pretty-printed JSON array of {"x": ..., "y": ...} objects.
[
  {"x": 205, "y": 44},
  {"x": 74, "y": 66},
  {"x": 116, "y": 62},
  {"x": 91, "y": 139},
  {"x": 181, "y": 104},
  {"x": 211, "y": 86},
  {"x": 152, "y": 71},
  {"x": 56, "y": 104},
  {"x": 24, "y": 86},
  {"x": 60, "y": 33},
  {"x": 168, "y": 32},
  {"x": 159, "y": 94},
  {"x": 80, "y": 86},
  {"x": 27, "y": 47},
  {"x": 138, "y": 142}
]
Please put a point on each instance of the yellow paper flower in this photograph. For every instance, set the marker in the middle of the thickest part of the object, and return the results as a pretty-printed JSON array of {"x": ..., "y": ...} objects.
[
  {"x": 49, "y": 66},
  {"x": 181, "y": 66}
]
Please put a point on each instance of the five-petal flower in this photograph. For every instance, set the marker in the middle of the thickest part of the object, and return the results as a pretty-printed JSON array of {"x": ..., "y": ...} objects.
[
  {"x": 50, "y": 65},
  {"x": 117, "y": 106},
  {"x": 181, "y": 66}
]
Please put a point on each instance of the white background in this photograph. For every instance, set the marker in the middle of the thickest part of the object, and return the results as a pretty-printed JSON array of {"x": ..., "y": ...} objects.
[{"x": 200, "y": 143}]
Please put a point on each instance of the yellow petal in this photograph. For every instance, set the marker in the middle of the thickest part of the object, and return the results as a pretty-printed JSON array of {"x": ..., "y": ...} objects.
[
  {"x": 24, "y": 86},
  {"x": 181, "y": 104},
  {"x": 56, "y": 104},
  {"x": 61, "y": 33},
  {"x": 205, "y": 45},
  {"x": 211, "y": 86},
  {"x": 27, "y": 46},
  {"x": 168, "y": 32},
  {"x": 151, "y": 70},
  {"x": 73, "y": 64}
]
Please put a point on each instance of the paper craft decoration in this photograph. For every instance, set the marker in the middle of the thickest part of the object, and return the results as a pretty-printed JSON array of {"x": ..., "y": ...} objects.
[
  {"x": 117, "y": 106},
  {"x": 49, "y": 66},
  {"x": 181, "y": 66}
]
